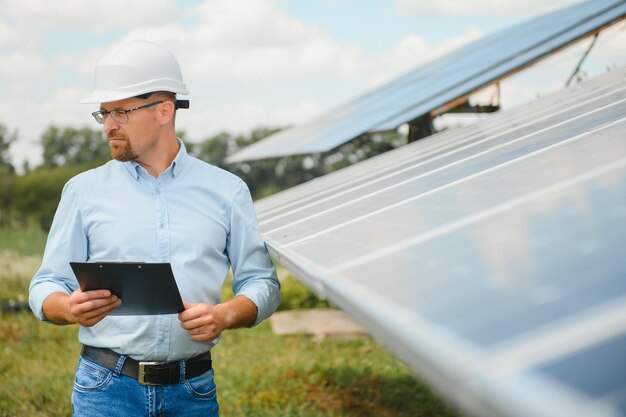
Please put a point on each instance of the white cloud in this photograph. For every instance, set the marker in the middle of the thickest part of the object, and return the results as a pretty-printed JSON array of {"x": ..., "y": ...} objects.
[
  {"x": 65, "y": 108},
  {"x": 413, "y": 51},
  {"x": 316, "y": 57},
  {"x": 253, "y": 40},
  {"x": 61, "y": 108},
  {"x": 296, "y": 114},
  {"x": 245, "y": 115},
  {"x": 20, "y": 65},
  {"x": 8, "y": 34},
  {"x": 484, "y": 7},
  {"x": 249, "y": 23},
  {"x": 90, "y": 16}
]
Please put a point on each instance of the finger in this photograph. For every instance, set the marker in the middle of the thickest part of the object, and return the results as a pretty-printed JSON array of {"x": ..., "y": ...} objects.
[
  {"x": 94, "y": 320},
  {"x": 192, "y": 311},
  {"x": 82, "y": 296},
  {"x": 203, "y": 338},
  {"x": 93, "y": 304},
  {"x": 98, "y": 294},
  {"x": 205, "y": 333},
  {"x": 197, "y": 335},
  {"x": 94, "y": 307},
  {"x": 103, "y": 310},
  {"x": 197, "y": 323},
  {"x": 91, "y": 319}
]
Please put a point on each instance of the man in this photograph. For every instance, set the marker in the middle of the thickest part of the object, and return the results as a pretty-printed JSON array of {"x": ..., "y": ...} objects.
[{"x": 153, "y": 203}]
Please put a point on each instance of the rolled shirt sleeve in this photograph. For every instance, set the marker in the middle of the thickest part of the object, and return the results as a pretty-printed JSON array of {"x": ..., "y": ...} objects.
[
  {"x": 254, "y": 275},
  {"x": 66, "y": 241}
]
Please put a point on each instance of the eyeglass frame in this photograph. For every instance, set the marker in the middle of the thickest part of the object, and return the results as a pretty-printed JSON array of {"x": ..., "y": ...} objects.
[{"x": 100, "y": 115}]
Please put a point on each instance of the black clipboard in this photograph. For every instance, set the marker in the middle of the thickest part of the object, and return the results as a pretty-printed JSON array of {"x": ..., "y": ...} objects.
[{"x": 145, "y": 288}]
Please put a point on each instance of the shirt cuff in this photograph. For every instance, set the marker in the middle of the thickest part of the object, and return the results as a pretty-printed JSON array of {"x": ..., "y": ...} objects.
[
  {"x": 265, "y": 296},
  {"x": 39, "y": 293}
]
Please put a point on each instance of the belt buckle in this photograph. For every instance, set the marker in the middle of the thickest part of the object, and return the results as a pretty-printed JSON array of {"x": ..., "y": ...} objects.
[{"x": 141, "y": 372}]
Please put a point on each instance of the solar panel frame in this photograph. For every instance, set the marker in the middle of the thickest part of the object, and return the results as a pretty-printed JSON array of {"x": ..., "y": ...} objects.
[{"x": 453, "y": 341}]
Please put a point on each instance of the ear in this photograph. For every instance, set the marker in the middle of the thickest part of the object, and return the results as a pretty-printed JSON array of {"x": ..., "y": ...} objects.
[{"x": 166, "y": 112}]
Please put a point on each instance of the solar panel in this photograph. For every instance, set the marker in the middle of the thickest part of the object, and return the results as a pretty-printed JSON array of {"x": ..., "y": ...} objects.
[
  {"x": 489, "y": 258},
  {"x": 442, "y": 81}
]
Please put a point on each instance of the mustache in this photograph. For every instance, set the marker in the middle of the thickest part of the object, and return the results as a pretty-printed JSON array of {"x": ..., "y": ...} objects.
[{"x": 116, "y": 137}]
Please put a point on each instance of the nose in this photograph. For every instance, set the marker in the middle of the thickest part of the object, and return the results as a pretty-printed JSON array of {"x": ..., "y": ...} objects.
[{"x": 109, "y": 124}]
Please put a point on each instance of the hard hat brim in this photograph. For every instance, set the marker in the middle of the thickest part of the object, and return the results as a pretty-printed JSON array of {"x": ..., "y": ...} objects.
[{"x": 106, "y": 96}]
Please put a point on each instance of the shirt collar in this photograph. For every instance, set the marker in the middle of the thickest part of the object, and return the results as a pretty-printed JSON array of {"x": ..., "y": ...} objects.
[
  {"x": 175, "y": 169},
  {"x": 180, "y": 160}
]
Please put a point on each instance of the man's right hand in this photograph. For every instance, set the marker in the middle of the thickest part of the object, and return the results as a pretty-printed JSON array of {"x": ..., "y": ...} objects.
[
  {"x": 86, "y": 308},
  {"x": 89, "y": 307}
]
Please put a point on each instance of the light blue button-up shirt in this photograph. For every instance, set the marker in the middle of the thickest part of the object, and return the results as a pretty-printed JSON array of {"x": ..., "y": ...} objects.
[{"x": 198, "y": 217}]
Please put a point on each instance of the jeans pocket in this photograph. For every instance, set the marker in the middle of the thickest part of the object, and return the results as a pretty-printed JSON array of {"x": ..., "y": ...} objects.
[
  {"x": 90, "y": 376},
  {"x": 202, "y": 386}
]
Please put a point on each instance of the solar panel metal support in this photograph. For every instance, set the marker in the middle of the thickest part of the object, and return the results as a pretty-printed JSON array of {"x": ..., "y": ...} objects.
[
  {"x": 582, "y": 59},
  {"x": 465, "y": 107},
  {"x": 420, "y": 128},
  {"x": 423, "y": 126}
]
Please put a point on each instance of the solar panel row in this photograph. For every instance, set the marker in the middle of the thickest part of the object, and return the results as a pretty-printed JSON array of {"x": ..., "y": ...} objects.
[
  {"x": 395, "y": 161},
  {"x": 489, "y": 258},
  {"x": 442, "y": 81}
]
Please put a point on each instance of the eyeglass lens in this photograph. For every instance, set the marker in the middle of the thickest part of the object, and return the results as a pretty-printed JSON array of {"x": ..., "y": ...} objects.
[{"x": 120, "y": 116}]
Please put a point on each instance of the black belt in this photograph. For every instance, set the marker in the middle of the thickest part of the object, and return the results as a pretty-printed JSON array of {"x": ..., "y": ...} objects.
[{"x": 149, "y": 373}]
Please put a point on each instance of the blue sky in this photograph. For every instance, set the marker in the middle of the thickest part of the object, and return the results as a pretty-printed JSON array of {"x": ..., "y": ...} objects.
[{"x": 251, "y": 63}]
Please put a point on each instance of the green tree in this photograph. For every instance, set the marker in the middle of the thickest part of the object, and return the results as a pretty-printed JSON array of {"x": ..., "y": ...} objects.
[
  {"x": 258, "y": 176},
  {"x": 268, "y": 176},
  {"x": 37, "y": 193},
  {"x": 255, "y": 135},
  {"x": 214, "y": 149},
  {"x": 7, "y": 175},
  {"x": 6, "y": 140},
  {"x": 71, "y": 146}
]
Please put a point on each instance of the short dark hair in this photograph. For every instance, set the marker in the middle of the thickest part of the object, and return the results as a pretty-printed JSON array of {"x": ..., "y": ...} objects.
[
  {"x": 166, "y": 94},
  {"x": 144, "y": 96}
]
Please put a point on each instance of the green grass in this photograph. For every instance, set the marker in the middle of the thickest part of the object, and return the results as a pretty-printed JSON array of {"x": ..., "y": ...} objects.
[
  {"x": 15, "y": 273},
  {"x": 257, "y": 372},
  {"x": 37, "y": 365},
  {"x": 260, "y": 374},
  {"x": 27, "y": 240}
]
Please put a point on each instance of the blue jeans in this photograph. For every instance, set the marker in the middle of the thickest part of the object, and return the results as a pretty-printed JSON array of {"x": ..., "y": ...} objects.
[{"x": 101, "y": 392}]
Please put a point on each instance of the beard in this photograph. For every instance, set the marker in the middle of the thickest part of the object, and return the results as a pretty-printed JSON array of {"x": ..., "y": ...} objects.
[{"x": 122, "y": 152}]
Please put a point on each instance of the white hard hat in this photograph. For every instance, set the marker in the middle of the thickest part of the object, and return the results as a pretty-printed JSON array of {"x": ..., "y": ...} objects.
[{"x": 136, "y": 68}]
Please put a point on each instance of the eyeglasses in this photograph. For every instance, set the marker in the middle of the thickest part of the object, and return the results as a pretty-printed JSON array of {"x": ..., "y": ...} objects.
[{"x": 120, "y": 116}]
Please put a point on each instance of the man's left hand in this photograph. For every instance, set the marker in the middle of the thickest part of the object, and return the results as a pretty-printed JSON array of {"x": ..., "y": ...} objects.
[
  {"x": 206, "y": 322},
  {"x": 203, "y": 322}
]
